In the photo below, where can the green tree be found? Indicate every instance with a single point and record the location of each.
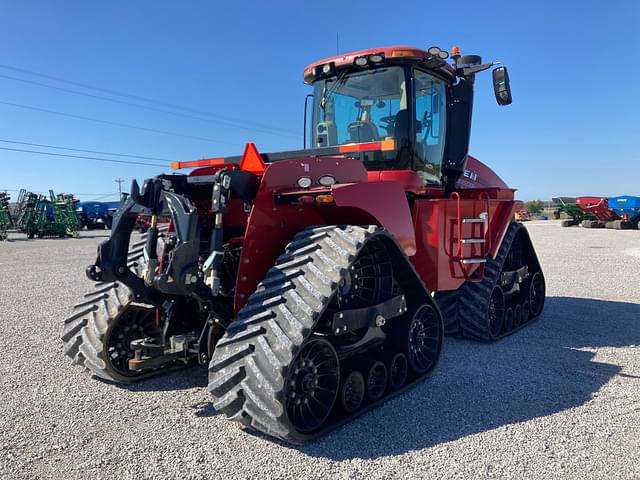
(534, 206)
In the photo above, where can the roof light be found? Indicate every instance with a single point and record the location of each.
(360, 61)
(326, 68)
(403, 53)
(455, 51)
(438, 52)
(376, 58)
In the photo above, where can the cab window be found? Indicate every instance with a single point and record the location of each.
(430, 127)
(364, 106)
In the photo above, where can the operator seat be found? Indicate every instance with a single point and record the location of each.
(362, 131)
(401, 137)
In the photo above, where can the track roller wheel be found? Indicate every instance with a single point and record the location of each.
(376, 381)
(352, 392)
(508, 319)
(419, 337)
(536, 294)
(517, 316)
(313, 384)
(134, 322)
(369, 280)
(398, 370)
(526, 311)
(98, 335)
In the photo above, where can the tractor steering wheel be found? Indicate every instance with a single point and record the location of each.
(388, 123)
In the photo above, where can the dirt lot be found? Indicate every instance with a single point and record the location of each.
(560, 399)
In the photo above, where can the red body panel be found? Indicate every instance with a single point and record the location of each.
(598, 207)
(478, 175)
(426, 229)
(387, 203)
(272, 226)
(436, 227)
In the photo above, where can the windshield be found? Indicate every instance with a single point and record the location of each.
(363, 106)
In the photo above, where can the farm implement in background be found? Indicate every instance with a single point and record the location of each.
(597, 207)
(627, 207)
(6, 222)
(40, 216)
(568, 206)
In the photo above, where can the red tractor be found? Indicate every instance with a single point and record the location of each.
(316, 284)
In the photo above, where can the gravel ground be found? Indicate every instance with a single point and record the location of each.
(560, 399)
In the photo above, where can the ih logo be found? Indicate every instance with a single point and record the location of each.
(471, 175)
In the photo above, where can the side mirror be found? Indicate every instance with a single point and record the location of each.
(501, 86)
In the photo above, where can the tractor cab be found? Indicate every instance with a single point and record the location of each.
(410, 101)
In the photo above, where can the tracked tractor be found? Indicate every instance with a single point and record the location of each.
(316, 284)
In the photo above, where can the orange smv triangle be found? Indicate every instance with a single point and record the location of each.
(252, 160)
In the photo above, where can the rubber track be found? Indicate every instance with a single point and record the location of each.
(85, 329)
(252, 360)
(464, 310)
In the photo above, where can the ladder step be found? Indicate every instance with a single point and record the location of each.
(473, 260)
(473, 240)
(473, 220)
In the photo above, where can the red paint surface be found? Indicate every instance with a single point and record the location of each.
(436, 227)
(347, 59)
(425, 229)
(598, 207)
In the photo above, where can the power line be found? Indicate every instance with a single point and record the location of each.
(82, 157)
(85, 151)
(100, 198)
(117, 124)
(135, 97)
(232, 123)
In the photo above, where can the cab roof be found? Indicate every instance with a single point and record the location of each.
(393, 55)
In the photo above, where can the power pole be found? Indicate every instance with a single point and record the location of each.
(119, 182)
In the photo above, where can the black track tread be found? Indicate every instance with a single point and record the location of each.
(85, 328)
(448, 303)
(84, 334)
(251, 362)
(465, 309)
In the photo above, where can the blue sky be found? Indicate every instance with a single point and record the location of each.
(573, 65)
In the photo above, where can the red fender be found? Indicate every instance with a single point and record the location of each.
(272, 225)
(387, 203)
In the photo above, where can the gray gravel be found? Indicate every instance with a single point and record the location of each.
(560, 399)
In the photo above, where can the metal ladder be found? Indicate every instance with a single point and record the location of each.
(465, 261)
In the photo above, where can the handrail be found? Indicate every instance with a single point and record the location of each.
(456, 195)
(487, 232)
